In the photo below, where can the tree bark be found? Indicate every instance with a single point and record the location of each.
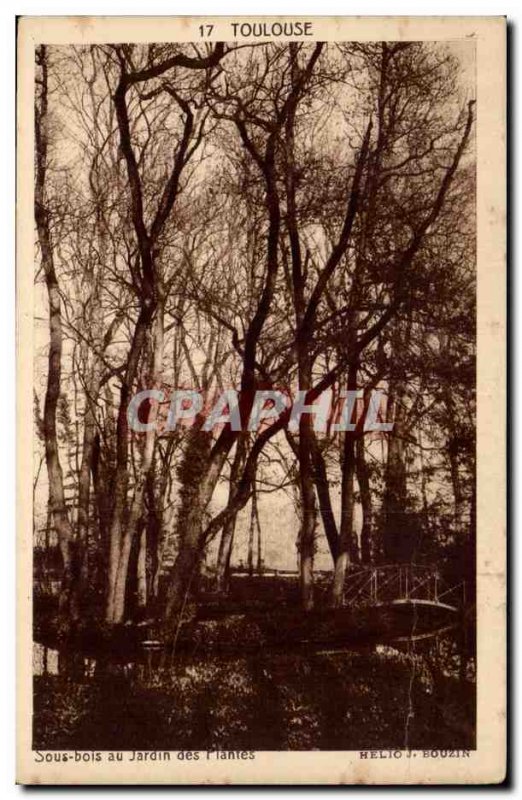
(118, 557)
(136, 509)
(325, 503)
(141, 570)
(348, 548)
(227, 536)
(191, 547)
(363, 479)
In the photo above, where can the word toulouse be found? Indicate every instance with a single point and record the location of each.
(187, 405)
(268, 29)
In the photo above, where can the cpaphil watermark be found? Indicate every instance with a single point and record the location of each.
(349, 410)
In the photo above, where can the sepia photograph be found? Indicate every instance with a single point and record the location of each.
(253, 378)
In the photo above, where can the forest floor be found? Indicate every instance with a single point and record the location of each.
(325, 701)
(251, 672)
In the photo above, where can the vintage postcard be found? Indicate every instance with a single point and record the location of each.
(261, 400)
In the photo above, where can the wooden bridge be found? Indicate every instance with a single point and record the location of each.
(402, 584)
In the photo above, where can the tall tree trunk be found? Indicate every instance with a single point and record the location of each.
(306, 477)
(227, 536)
(363, 479)
(224, 555)
(136, 509)
(348, 549)
(157, 488)
(322, 487)
(141, 570)
(259, 560)
(192, 542)
(84, 495)
(254, 536)
(92, 364)
(114, 606)
(304, 363)
(84, 478)
(101, 498)
(309, 515)
(148, 289)
(251, 535)
(452, 451)
(57, 503)
(399, 536)
(396, 538)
